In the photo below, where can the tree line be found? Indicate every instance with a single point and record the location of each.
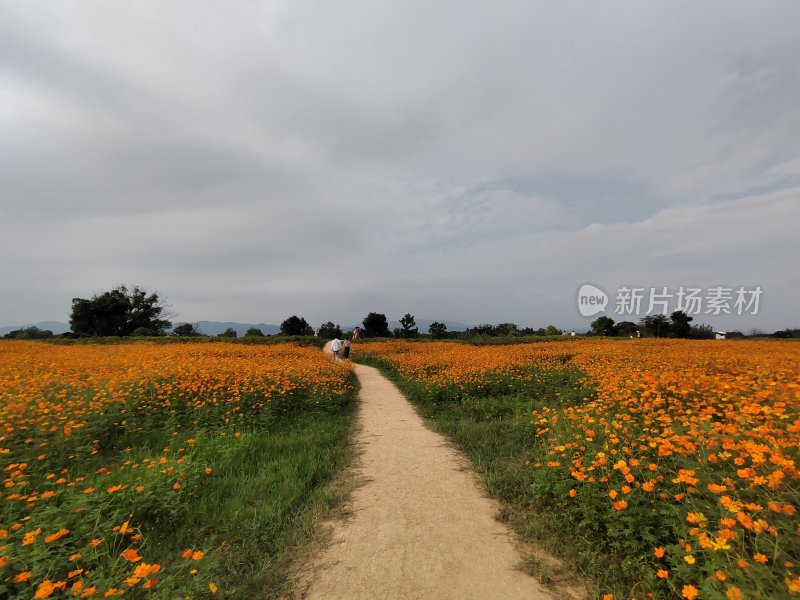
(133, 311)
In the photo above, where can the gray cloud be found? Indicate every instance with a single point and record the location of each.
(455, 160)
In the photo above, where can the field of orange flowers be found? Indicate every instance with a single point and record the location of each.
(679, 459)
(104, 449)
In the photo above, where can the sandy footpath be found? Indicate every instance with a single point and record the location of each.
(420, 526)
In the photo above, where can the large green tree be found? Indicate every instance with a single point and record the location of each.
(295, 325)
(603, 326)
(680, 326)
(186, 329)
(328, 331)
(656, 325)
(120, 311)
(376, 325)
(409, 326)
(437, 330)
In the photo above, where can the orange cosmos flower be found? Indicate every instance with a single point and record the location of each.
(734, 593)
(45, 589)
(56, 536)
(132, 555)
(689, 592)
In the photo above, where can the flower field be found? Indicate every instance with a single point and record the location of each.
(116, 459)
(676, 462)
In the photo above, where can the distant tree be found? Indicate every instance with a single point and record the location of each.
(680, 326)
(375, 325)
(409, 327)
(230, 332)
(254, 332)
(186, 330)
(702, 332)
(552, 330)
(603, 326)
(328, 331)
(29, 333)
(506, 329)
(295, 325)
(143, 332)
(120, 311)
(787, 333)
(484, 330)
(627, 328)
(656, 325)
(437, 330)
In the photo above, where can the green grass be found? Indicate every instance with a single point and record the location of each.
(272, 488)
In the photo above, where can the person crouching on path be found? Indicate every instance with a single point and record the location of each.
(347, 347)
(335, 346)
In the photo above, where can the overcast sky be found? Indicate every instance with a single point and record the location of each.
(465, 160)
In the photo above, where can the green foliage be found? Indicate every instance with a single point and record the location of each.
(254, 332)
(119, 312)
(437, 330)
(656, 325)
(603, 326)
(409, 326)
(375, 325)
(328, 331)
(230, 332)
(680, 327)
(186, 330)
(295, 325)
(29, 333)
(702, 332)
(627, 329)
(499, 330)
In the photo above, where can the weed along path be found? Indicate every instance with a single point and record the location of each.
(420, 526)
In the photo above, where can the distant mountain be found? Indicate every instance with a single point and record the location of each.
(216, 327)
(55, 326)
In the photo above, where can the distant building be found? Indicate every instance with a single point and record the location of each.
(720, 335)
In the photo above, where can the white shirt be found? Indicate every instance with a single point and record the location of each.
(336, 345)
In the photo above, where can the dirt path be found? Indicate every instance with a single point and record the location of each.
(420, 526)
